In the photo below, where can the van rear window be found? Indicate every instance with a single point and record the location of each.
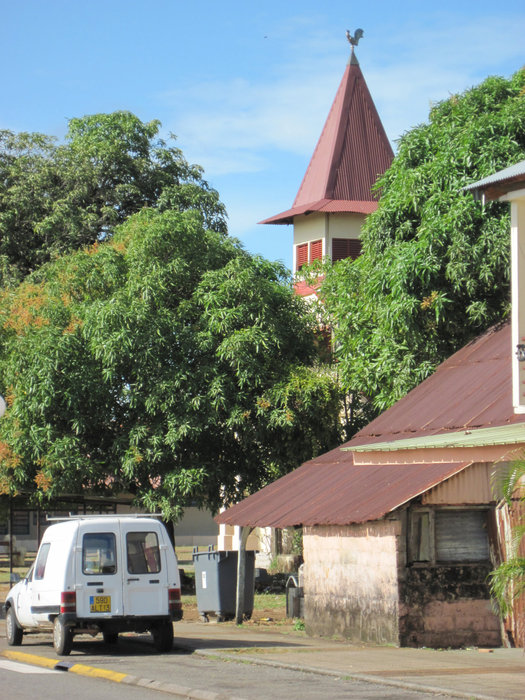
(143, 552)
(99, 553)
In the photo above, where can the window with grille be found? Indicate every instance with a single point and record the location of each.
(345, 248)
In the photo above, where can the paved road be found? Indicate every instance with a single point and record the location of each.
(226, 679)
(24, 682)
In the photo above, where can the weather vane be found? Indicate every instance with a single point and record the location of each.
(354, 40)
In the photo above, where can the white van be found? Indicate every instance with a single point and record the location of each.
(93, 574)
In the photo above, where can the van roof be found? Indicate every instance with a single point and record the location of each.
(71, 524)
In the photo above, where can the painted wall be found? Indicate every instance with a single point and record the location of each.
(325, 226)
(517, 237)
(350, 581)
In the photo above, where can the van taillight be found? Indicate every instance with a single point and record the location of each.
(174, 601)
(68, 602)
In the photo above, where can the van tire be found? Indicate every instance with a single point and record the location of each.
(162, 635)
(62, 638)
(13, 631)
(110, 637)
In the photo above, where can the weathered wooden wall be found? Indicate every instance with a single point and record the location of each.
(350, 581)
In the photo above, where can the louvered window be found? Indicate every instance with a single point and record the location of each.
(461, 535)
(447, 535)
(316, 250)
(301, 255)
(345, 248)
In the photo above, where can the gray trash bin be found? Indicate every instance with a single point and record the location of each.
(216, 583)
(294, 598)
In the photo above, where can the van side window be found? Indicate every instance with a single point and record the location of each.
(99, 553)
(40, 566)
(143, 552)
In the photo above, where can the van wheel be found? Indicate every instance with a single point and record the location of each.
(162, 635)
(13, 632)
(110, 637)
(62, 638)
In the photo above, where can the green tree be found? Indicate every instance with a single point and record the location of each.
(434, 272)
(507, 581)
(57, 198)
(166, 362)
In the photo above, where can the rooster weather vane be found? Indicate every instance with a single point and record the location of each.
(354, 40)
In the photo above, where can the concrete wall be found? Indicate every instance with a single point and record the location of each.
(350, 581)
(447, 606)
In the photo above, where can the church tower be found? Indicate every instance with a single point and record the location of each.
(335, 195)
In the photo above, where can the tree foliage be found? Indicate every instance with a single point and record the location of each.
(435, 265)
(166, 362)
(56, 198)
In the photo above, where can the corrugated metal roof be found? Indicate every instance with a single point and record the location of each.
(352, 151)
(340, 206)
(337, 492)
(499, 183)
(501, 435)
(472, 389)
(474, 485)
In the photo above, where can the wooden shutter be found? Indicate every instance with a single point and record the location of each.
(345, 248)
(461, 535)
(301, 255)
(316, 250)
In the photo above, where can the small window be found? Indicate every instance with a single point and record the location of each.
(448, 535)
(301, 255)
(316, 250)
(143, 552)
(40, 565)
(99, 554)
(461, 535)
(345, 248)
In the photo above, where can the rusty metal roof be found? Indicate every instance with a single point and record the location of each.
(352, 151)
(323, 206)
(332, 490)
(472, 389)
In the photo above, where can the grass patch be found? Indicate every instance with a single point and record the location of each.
(269, 601)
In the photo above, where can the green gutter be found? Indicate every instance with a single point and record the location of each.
(482, 437)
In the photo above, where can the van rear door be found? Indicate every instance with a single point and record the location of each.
(146, 576)
(99, 570)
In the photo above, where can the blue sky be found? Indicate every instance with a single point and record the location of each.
(246, 87)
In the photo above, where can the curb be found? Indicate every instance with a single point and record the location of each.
(364, 677)
(197, 694)
(114, 676)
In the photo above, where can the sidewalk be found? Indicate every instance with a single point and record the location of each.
(470, 673)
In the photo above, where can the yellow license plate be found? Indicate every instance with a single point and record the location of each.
(100, 603)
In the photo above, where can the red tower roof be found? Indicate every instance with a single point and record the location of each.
(351, 153)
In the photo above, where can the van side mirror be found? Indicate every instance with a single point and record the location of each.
(14, 578)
